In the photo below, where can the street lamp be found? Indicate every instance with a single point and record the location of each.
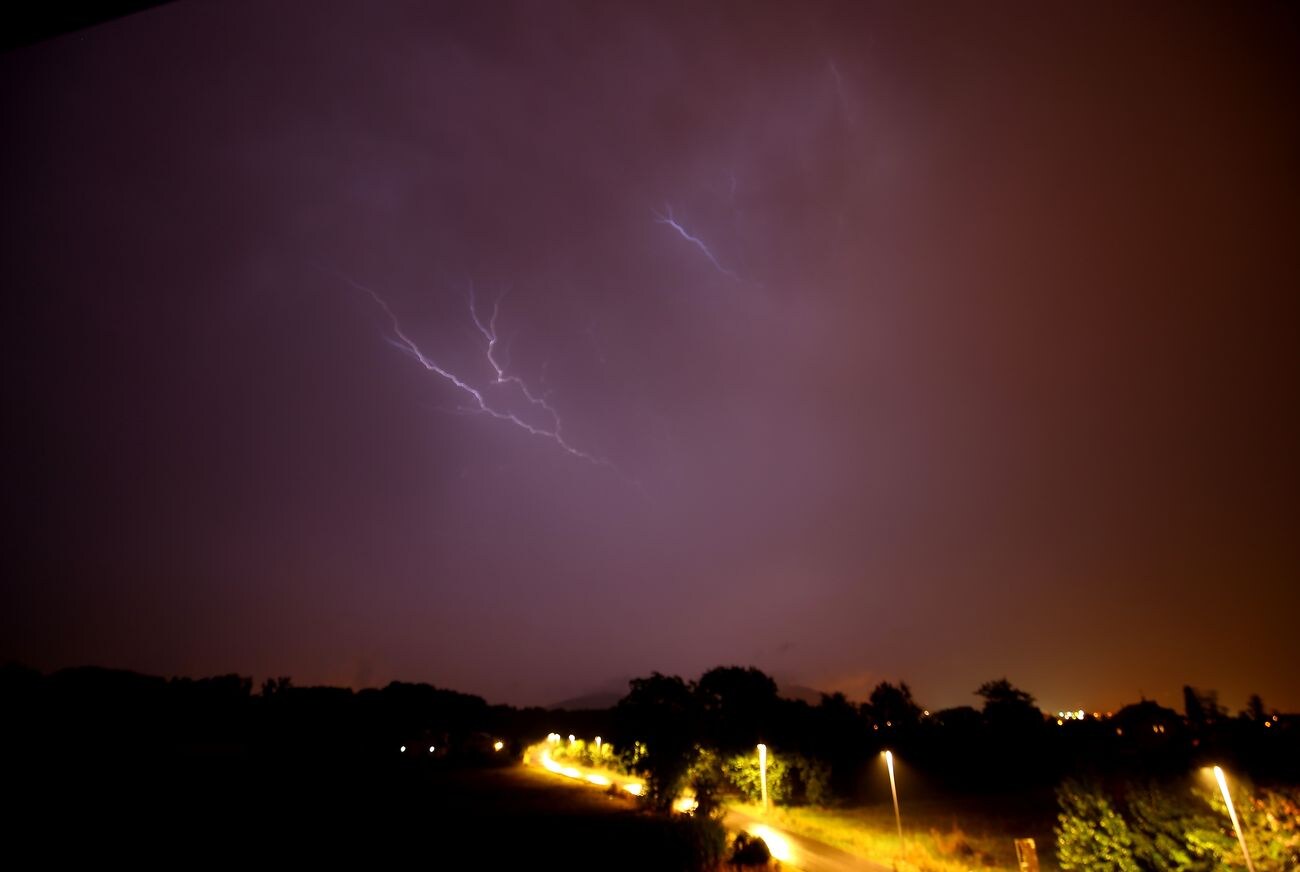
(893, 788)
(1232, 814)
(762, 772)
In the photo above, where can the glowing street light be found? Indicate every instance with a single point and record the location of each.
(1232, 814)
(598, 744)
(762, 772)
(893, 788)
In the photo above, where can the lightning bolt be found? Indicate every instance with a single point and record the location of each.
(668, 220)
(489, 332)
(477, 401)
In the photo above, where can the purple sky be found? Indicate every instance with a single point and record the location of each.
(990, 367)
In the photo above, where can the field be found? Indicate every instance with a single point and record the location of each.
(392, 817)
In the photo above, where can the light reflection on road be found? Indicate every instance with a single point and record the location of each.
(598, 778)
(778, 843)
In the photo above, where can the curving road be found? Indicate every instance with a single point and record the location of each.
(799, 851)
(794, 851)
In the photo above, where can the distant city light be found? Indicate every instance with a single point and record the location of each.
(402, 749)
(498, 745)
(431, 749)
(1079, 715)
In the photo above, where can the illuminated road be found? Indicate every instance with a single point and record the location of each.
(794, 851)
(800, 852)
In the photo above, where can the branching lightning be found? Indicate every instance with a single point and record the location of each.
(489, 332)
(478, 401)
(668, 220)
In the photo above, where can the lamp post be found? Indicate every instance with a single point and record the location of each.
(1232, 814)
(762, 773)
(893, 788)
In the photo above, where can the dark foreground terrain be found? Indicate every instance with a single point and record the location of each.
(213, 812)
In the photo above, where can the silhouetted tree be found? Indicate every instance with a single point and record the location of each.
(658, 726)
(1201, 707)
(1192, 706)
(273, 686)
(893, 706)
(962, 718)
(837, 736)
(738, 706)
(1007, 707)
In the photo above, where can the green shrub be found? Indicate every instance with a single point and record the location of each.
(742, 771)
(1091, 834)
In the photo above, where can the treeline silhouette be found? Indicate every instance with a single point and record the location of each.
(101, 764)
(1006, 744)
(108, 763)
(88, 719)
(94, 717)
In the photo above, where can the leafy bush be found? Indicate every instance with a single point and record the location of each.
(1176, 830)
(743, 772)
(1091, 834)
(792, 779)
(810, 780)
(706, 778)
(1172, 832)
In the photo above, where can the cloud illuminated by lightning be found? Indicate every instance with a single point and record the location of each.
(478, 401)
(670, 221)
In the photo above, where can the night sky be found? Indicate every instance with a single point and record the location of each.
(889, 341)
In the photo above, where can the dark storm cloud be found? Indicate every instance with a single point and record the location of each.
(990, 370)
